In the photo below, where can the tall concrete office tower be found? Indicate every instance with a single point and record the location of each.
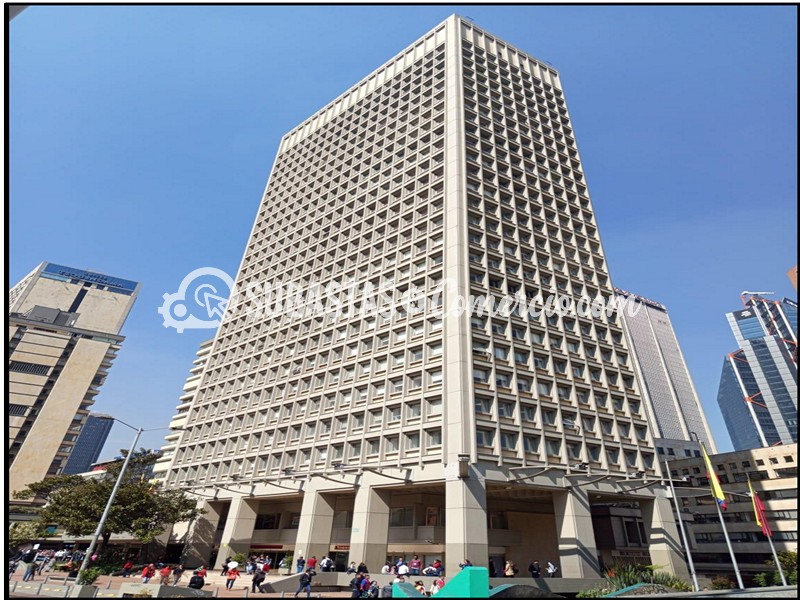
(672, 402)
(423, 429)
(64, 326)
(758, 388)
(90, 442)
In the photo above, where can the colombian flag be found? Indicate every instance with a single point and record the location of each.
(758, 508)
(716, 489)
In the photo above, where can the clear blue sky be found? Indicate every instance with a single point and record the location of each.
(141, 139)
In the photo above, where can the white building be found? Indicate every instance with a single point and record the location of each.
(432, 432)
(676, 412)
(64, 326)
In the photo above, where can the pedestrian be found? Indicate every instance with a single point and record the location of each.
(197, 581)
(258, 578)
(465, 564)
(385, 569)
(148, 573)
(510, 569)
(492, 568)
(126, 568)
(177, 574)
(365, 586)
(437, 584)
(386, 591)
(374, 589)
(415, 565)
(202, 571)
(355, 586)
(437, 564)
(312, 563)
(535, 570)
(225, 566)
(231, 576)
(403, 569)
(166, 573)
(305, 582)
(420, 587)
(267, 565)
(30, 570)
(301, 564)
(551, 569)
(326, 564)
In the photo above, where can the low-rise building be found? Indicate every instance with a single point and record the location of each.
(773, 472)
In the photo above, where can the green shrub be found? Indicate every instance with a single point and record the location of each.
(240, 557)
(720, 582)
(622, 575)
(89, 576)
(289, 558)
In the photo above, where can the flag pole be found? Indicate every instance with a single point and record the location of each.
(719, 497)
(757, 507)
(730, 548)
(683, 530)
(777, 562)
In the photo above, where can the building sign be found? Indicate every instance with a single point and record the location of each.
(266, 546)
(342, 547)
(99, 278)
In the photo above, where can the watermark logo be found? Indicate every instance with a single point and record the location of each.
(207, 294)
(200, 301)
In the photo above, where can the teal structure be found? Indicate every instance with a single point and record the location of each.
(472, 582)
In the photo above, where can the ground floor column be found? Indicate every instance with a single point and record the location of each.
(577, 548)
(316, 524)
(370, 536)
(661, 532)
(238, 528)
(200, 536)
(466, 530)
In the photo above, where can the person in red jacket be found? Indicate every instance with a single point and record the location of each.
(312, 563)
(148, 573)
(232, 574)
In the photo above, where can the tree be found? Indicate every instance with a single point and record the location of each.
(22, 532)
(788, 560)
(76, 503)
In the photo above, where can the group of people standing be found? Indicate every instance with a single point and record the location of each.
(536, 570)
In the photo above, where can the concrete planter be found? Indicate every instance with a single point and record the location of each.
(162, 591)
(83, 591)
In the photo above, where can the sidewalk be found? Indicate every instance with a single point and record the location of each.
(108, 587)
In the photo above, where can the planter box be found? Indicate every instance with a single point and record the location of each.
(83, 591)
(127, 590)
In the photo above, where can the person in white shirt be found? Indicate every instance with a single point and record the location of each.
(403, 569)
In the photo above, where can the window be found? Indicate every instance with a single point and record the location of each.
(508, 441)
(483, 405)
(434, 437)
(553, 447)
(480, 376)
(505, 409)
(502, 380)
(531, 443)
(401, 517)
(484, 437)
(435, 407)
(549, 417)
(269, 521)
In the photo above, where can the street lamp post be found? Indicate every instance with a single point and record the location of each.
(683, 530)
(101, 524)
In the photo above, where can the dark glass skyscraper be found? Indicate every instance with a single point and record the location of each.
(90, 442)
(758, 388)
